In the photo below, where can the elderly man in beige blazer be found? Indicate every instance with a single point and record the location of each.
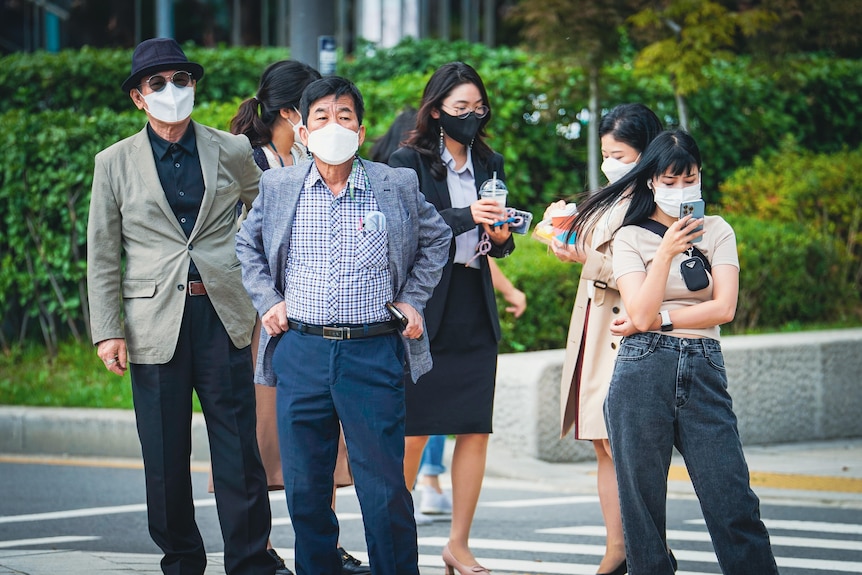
(167, 303)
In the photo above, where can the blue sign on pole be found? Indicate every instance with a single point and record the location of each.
(327, 58)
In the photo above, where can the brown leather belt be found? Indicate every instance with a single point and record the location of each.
(196, 287)
(345, 332)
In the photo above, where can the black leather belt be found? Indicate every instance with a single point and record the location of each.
(345, 332)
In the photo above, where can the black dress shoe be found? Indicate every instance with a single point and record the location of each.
(621, 569)
(350, 565)
(280, 567)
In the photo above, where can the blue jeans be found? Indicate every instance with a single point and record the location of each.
(668, 391)
(432, 456)
(358, 382)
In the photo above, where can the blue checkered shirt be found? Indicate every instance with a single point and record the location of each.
(337, 273)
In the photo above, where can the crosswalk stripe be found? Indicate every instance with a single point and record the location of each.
(542, 501)
(703, 536)
(681, 554)
(47, 541)
(816, 526)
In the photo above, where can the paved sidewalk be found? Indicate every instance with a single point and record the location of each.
(822, 473)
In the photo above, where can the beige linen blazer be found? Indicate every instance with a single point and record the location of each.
(138, 255)
(582, 395)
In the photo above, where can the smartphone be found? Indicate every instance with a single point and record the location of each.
(695, 209)
(396, 313)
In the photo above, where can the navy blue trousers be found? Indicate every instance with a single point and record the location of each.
(207, 362)
(359, 383)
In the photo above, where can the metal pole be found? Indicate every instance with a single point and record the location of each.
(164, 19)
(236, 24)
(138, 13)
(281, 23)
(309, 21)
(264, 22)
(445, 19)
(490, 31)
(424, 19)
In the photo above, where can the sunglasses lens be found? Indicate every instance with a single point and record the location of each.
(157, 83)
(181, 79)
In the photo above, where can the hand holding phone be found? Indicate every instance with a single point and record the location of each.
(397, 314)
(695, 209)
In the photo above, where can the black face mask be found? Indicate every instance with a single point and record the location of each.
(462, 131)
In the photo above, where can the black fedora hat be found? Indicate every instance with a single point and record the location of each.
(158, 54)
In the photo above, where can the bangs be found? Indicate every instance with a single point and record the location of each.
(678, 162)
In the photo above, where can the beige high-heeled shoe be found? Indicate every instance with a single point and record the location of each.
(453, 565)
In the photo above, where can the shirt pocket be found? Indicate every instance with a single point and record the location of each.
(372, 249)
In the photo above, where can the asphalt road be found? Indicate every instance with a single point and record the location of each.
(520, 526)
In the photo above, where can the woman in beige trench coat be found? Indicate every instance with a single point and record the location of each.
(591, 350)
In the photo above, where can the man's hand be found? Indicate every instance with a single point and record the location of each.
(275, 320)
(415, 327)
(112, 352)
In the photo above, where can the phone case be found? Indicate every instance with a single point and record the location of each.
(696, 210)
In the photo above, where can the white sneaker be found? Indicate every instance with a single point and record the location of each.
(434, 503)
(422, 519)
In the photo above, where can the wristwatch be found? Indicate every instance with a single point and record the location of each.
(666, 324)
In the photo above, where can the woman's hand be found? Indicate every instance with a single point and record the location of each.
(568, 253)
(678, 237)
(498, 234)
(556, 206)
(487, 211)
(623, 326)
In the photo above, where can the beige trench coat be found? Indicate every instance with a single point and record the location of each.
(585, 383)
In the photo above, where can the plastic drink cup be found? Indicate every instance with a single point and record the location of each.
(561, 221)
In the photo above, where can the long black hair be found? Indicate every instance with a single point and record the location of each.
(281, 86)
(425, 138)
(672, 151)
(632, 124)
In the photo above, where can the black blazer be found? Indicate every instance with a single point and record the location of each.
(460, 220)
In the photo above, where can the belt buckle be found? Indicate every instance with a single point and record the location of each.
(196, 288)
(334, 332)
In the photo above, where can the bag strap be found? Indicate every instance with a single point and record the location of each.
(660, 229)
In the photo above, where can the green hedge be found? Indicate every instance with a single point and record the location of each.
(88, 79)
(61, 109)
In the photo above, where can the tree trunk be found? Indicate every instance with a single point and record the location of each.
(682, 110)
(593, 144)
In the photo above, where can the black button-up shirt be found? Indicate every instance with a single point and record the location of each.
(182, 179)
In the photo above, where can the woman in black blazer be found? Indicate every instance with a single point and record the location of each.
(448, 152)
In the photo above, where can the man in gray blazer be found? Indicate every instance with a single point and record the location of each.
(326, 246)
(167, 302)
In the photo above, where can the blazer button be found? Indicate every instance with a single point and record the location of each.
(181, 287)
(191, 247)
(613, 345)
(615, 309)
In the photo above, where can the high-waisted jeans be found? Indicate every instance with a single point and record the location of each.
(668, 391)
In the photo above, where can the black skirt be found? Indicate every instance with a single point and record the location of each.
(457, 395)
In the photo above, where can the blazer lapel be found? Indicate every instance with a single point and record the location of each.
(149, 177)
(208, 152)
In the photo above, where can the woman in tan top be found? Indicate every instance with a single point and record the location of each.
(679, 280)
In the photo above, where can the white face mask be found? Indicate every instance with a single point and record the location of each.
(296, 127)
(614, 169)
(669, 199)
(172, 104)
(333, 144)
